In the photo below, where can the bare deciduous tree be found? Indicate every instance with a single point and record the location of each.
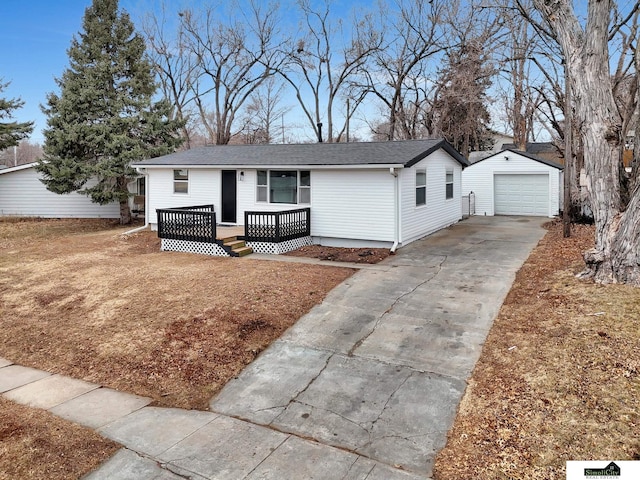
(263, 111)
(461, 107)
(175, 66)
(24, 152)
(400, 78)
(615, 257)
(233, 52)
(319, 63)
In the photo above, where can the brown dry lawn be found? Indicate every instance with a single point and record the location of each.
(558, 379)
(559, 375)
(35, 444)
(79, 299)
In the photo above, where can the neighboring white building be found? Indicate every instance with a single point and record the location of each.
(23, 194)
(377, 194)
(514, 183)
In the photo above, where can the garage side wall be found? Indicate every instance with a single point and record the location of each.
(480, 179)
(23, 194)
(438, 211)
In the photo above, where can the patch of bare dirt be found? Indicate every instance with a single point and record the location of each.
(340, 254)
(559, 374)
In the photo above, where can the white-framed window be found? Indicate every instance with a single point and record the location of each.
(449, 184)
(283, 186)
(421, 187)
(181, 181)
(304, 190)
(262, 186)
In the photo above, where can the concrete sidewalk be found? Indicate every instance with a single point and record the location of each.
(366, 385)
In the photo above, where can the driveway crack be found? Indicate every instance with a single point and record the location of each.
(375, 326)
(347, 419)
(384, 407)
(295, 398)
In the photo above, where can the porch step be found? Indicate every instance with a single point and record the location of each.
(242, 251)
(226, 240)
(239, 247)
(235, 244)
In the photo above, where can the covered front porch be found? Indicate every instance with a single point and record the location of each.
(195, 229)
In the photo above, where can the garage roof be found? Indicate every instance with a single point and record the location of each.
(526, 155)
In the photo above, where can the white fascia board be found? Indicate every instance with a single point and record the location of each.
(381, 166)
(19, 167)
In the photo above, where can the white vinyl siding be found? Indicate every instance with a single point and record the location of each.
(204, 189)
(353, 204)
(23, 194)
(345, 204)
(348, 206)
(479, 178)
(417, 222)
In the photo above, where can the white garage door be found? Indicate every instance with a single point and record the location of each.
(521, 194)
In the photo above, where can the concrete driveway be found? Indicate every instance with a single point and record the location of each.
(365, 386)
(378, 369)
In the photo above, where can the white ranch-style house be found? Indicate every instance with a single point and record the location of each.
(380, 194)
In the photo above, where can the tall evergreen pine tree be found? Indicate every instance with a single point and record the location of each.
(104, 117)
(11, 132)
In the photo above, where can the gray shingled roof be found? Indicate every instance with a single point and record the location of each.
(404, 153)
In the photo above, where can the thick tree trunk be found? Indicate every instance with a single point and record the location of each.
(125, 213)
(615, 257)
(621, 262)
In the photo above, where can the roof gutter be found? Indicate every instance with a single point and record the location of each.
(396, 212)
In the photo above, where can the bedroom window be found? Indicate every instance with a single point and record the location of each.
(421, 187)
(181, 181)
(449, 184)
(283, 186)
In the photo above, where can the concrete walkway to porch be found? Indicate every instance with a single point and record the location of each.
(365, 386)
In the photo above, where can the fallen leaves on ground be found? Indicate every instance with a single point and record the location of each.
(559, 374)
(35, 444)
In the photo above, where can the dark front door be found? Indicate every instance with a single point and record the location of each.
(228, 196)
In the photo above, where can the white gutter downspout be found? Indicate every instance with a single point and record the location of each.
(396, 215)
(146, 203)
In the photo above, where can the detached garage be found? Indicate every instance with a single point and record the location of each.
(514, 183)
